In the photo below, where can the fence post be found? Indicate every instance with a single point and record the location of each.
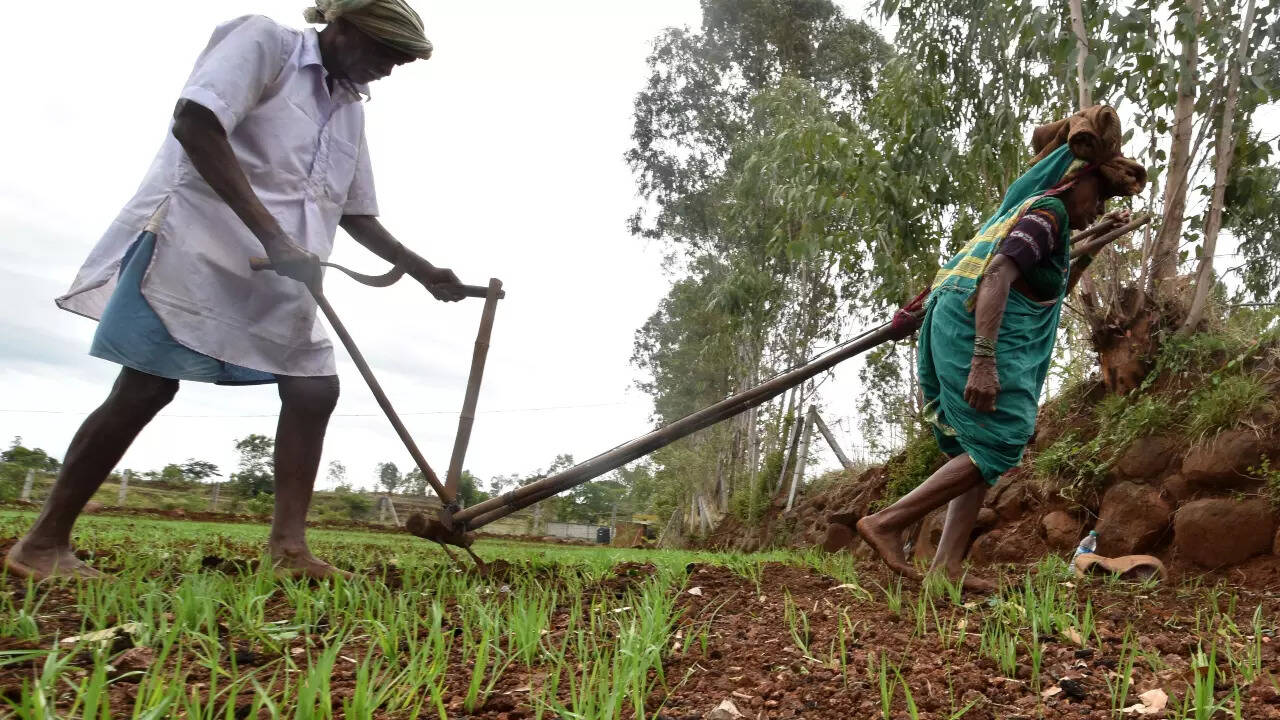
(802, 455)
(26, 485)
(124, 488)
(213, 503)
(831, 440)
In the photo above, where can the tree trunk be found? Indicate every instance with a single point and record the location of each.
(1164, 256)
(1082, 51)
(1226, 146)
(787, 431)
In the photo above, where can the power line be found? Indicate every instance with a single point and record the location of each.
(351, 415)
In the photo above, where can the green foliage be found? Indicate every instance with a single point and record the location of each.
(30, 458)
(1251, 205)
(256, 470)
(388, 476)
(1080, 463)
(12, 476)
(1202, 384)
(198, 470)
(912, 466)
(261, 504)
(356, 506)
(1225, 403)
(468, 488)
(749, 502)
(1270, 477)
(734, 127)
(1239, 340)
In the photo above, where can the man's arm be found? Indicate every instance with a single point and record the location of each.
(369, 232)
(201, 135)
(993, 295)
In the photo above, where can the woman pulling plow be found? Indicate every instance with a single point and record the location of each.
(988, 332)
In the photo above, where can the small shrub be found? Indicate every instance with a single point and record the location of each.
(355, 505)
(1083, 464)
(1270, 477)
(912, 466)
(749, 502)
(12, 476)
(260, 504)
(1225, 404)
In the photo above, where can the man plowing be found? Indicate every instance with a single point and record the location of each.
(267, 153)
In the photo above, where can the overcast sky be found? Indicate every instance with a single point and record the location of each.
(499, 157)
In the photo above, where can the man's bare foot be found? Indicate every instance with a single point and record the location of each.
(300, 563)
(888, 545)
(25, 561)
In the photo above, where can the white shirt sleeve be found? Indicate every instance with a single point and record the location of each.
(243, 57)
(361, 199)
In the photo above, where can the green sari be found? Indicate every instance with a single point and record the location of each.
(994, 441)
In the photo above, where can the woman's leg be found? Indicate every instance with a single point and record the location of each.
(962, 514)
(883, 530)
(95, 450)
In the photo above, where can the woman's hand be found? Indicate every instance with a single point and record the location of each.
(983, 385)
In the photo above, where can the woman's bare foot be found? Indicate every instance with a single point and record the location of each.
(300, 563)
(971, 583)
(888, 545)
(27, 561)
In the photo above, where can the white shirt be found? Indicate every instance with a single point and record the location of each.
(304, 152)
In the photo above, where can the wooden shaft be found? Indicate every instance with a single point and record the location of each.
(453, 477)
(1106, 223)
(486, 512)
(1094, 245)
(378, 394)
(845, 462)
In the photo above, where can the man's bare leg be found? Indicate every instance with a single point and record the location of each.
(103, 438)
(305, 406)
(883, 530)
(962, 514)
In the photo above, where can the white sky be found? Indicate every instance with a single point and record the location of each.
(501, 156)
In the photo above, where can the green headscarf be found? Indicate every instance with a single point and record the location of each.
(391, 22)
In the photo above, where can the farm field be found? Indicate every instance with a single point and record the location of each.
(195, 626)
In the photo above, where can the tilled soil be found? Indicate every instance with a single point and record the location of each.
(733, 641)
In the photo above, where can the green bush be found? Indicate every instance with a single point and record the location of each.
(1081, 464)
(1225, 403)
(11, 478)
(749, 502)
(260, 504)
(912, 466)
(354, 505)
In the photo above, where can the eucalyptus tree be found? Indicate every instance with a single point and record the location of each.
(696, 121)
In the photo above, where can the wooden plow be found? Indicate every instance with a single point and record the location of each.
(453, 523)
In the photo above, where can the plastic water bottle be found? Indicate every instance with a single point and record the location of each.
(1087, 545)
